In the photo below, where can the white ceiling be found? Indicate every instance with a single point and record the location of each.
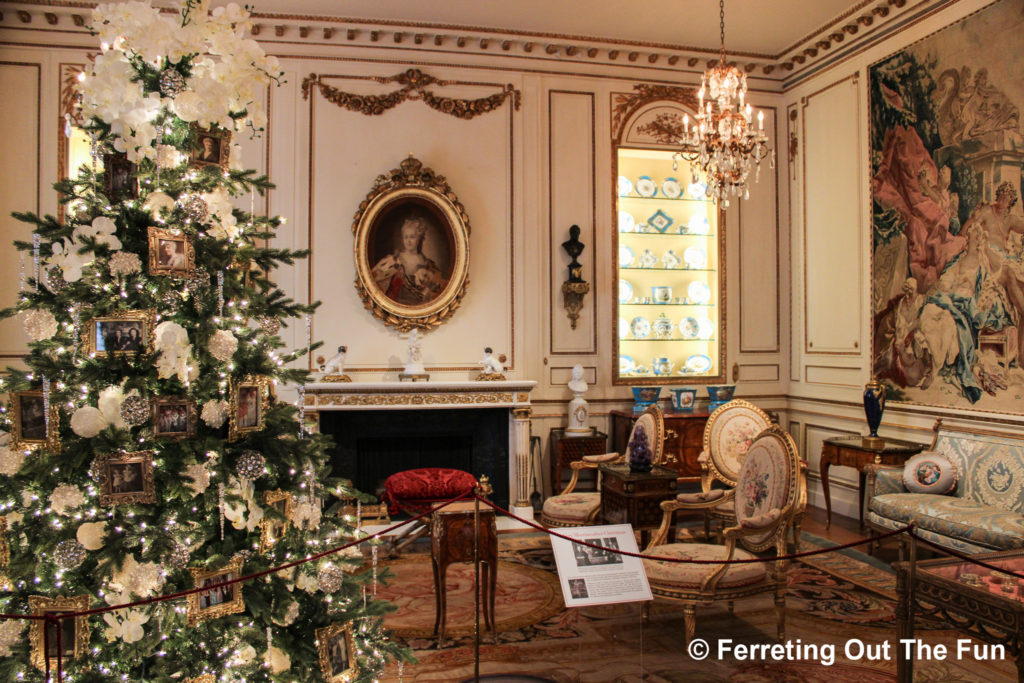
(756, 27)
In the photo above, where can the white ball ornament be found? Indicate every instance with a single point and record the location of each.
(87, 422)
(278, 660)
(91, 535)
(215, 413)
(40, 325)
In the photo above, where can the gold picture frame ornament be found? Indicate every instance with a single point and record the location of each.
(217, 602)
(271, 530)
(336, 646)
(5, 546)
(249, 401)
(212, 148)
(181, 262)
(126, 478)
(40, 605)
(27, 432)
(101, 332)
(167, 426)
(411, 248)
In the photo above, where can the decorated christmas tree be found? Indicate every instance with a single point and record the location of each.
(146, 452)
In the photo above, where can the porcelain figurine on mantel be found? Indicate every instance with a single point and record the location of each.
(493, 368)
(334, 369)
(579, 410)
(414, 370)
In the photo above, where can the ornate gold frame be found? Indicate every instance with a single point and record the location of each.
(155, 235)
(52, 439)
(5, 546)
(267, 537)
(235, 605)
(205, 678)
(146, 316)
(115, 162)
(190, 406)
(109, 497)
(323, 635)
(413, 183)
(41, 605)
(262, 383)
(223, 152)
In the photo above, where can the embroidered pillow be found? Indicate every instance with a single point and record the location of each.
(930, 472)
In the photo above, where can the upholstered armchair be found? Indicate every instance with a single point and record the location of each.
(581, 508)
(766, 497)
(727, 436)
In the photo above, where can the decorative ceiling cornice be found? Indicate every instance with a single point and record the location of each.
(817, 49)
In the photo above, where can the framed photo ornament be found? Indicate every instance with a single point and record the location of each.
(126, 478)
(5, 546)
(337, 653)
(212, 148)
(411, 248)
(249, 400)
(205, 678)
(119, 178)
(120, 334)
(29, 427)
(218, 601)
(271, 530)
(74, 632)
(174, 417)
(171, 253)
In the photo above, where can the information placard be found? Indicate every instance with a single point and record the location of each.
(598, 574)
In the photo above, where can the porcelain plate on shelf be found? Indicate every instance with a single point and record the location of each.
(626, 365)
(698, 363)
(699, 224)
(671, 188)
(626, 256)
(623, 329)
(694, 256)
(625, 291)
(625, 186)
(705, 328)
(645, 187)
(697, 190)
(689, 327)
(699, 292)
(626, 221)
(640, 327)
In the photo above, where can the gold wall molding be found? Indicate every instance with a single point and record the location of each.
(414, 399)
(414, 87)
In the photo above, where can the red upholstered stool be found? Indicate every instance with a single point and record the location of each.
(415, 491)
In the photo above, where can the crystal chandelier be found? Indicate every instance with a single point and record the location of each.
(722, 142)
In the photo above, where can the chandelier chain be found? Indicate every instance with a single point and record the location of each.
(721, 28)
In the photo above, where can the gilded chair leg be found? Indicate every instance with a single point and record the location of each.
(690, 620)
(645, 611)
(780, 613)
(796, 537)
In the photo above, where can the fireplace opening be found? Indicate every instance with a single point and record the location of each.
(372, 445)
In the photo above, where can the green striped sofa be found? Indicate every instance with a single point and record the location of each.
(985, 511)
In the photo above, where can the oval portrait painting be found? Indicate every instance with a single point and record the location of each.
(411, 249)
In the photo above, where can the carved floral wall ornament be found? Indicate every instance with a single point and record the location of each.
(414, 87)
(411, 248)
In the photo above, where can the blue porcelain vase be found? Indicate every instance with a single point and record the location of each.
(874, 406)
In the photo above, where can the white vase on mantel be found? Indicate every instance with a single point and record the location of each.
(579, 409)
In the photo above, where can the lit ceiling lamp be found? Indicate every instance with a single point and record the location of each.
(722, 142)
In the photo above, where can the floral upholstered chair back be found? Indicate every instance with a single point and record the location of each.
(648, 437)
(769, 487)
(727, 438)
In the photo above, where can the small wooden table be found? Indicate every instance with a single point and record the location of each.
(684, 438)
(983, 611)
(567, 449)
(451, 540)
(629, 497)
(850, 451)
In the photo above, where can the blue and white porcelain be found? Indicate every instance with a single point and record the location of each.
(699, 292)
(671, 188)
(663, 327)
(670, 259)
(626, 256)
(699, 224)
(626, 365)
(721, 393)
(695, 257)
(626, 221)
(660, 221)
(625, 292)
(661, 294)
(696, 190)
(645, 396)
(623, 328)
(698, 363)
(662, 366)
(648, 259)
(640, 327)
(683, 399)
(645, 187)
(625, 186)
(688, 327)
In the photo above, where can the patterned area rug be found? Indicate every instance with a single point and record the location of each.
(833, 599)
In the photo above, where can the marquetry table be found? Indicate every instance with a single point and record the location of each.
(629, 497)
(984, 604)
(451, 540)
(567, 449)
(851, 451)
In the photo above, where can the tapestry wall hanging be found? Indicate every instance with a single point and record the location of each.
(947, 268)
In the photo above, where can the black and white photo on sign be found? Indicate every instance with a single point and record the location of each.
(587, 556)
(578, 588)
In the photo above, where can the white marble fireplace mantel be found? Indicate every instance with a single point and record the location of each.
(512, 395)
